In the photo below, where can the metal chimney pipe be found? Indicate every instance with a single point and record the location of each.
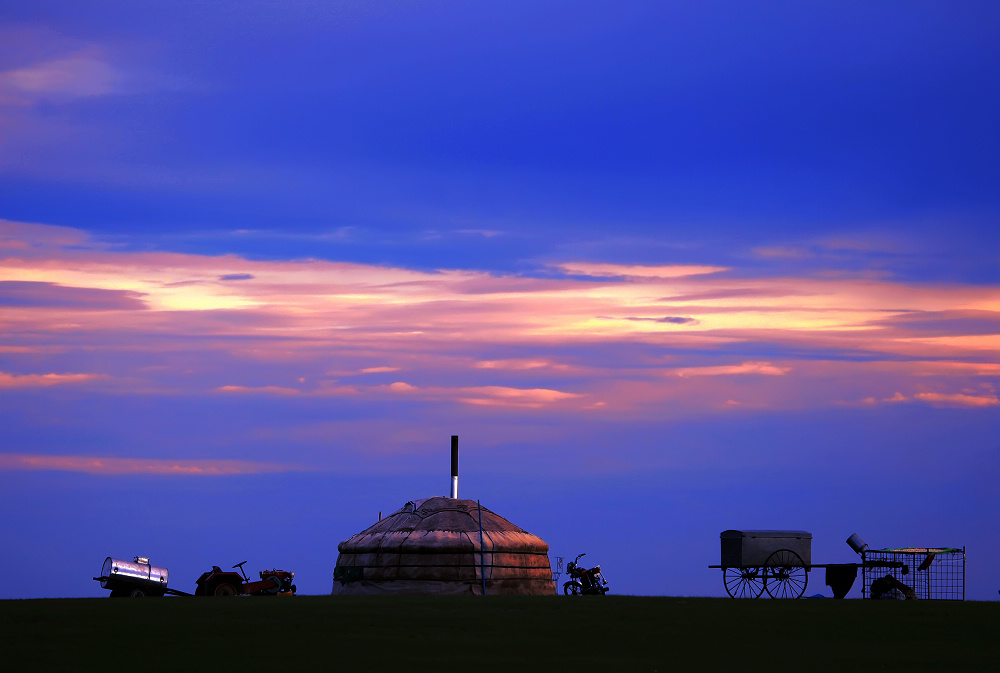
(454, 467)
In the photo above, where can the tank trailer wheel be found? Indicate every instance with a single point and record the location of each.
(743, 582)
(786, 575)
(573, 589)
(139, 592)
(226, 589)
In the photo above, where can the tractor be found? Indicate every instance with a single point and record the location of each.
(219, 582)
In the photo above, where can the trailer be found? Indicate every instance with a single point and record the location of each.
(139, 578)
(778, 562)
(135, 579)
(775, 561)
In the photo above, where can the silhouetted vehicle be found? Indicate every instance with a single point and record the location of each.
(219, 582)
(584, 582)
(777, 561)
(138, 579)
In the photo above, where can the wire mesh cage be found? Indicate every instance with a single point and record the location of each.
(929, 573)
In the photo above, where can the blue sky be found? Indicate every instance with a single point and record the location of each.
(734, 264)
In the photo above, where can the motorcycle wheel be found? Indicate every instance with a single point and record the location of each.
(573, 589)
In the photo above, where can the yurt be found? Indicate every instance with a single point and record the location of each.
(436, 546)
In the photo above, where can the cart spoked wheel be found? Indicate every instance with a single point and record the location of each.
(743, 582)
(785, 574)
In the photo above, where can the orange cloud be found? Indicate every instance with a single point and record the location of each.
(115, 466)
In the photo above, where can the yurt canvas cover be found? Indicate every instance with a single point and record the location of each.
(432, 546)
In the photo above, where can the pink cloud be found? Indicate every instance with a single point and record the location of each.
(933, 368)
(258, 390)
(481, 395)
(34, 294)
(116, 466)
(486, 395)
(84, 73)
(504, 396)
(24, 236)
(781, 252)
(761, 368)
(638, 271)
(44, 380)
(401, 387)
(515, 364)
(967, 399)
(958, 399)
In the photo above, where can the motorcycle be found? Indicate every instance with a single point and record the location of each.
(584, 582)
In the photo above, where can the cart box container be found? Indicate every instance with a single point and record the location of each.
(750, 548)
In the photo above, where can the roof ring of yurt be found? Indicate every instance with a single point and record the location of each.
(437, 546)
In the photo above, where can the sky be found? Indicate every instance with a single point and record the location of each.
(667, 269)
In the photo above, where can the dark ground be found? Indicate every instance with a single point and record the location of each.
(614, 633)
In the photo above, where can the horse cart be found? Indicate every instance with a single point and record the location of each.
(775, 561)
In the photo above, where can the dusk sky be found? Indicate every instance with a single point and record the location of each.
(666, 268)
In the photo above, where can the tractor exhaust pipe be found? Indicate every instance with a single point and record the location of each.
(454, 467)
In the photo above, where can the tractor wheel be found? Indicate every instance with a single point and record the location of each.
(277, 584)
(226, 589)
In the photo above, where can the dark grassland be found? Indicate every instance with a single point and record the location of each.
(614, 633)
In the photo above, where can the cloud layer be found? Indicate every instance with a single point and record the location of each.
(124, 466)
(577, 338)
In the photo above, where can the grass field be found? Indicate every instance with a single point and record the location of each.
(498, 634)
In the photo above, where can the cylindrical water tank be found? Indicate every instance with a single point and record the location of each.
(119, 574)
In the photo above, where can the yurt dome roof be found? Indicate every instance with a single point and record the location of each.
(439, 521)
